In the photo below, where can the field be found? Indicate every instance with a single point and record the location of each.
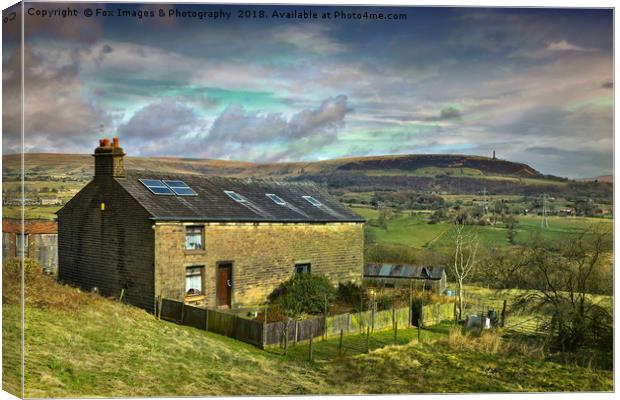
(414, 230)
(81, 345)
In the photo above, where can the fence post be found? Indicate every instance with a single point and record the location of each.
(409, 315)
(264, 328)
(325, 322)
(296, 332)
(481, 321)
(393, 314)
(310, 349)
(454, 313)
(396, 332)
(419, 323)
(503, 321)
(207, 320)
(340, 343)
(120, 298)
(368, 339)
(159, 304)
(182, 312)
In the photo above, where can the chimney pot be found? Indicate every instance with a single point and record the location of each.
(106, 142)
(100, 142)
(115, 141)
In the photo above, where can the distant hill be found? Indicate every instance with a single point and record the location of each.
(601, 178)
(441, 173)
(423, 165)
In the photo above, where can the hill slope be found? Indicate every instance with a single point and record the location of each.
(81, 345)
(83, 164)
(452, 174)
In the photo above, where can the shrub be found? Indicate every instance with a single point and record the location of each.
(303, 294)
(353, 295)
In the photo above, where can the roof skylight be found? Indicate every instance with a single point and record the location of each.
(312, 201)
(276, 199)
(236, 197)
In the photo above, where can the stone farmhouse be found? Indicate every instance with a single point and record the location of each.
(209, 241)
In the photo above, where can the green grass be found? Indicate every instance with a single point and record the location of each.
(355, 343)
(31, 212)
(109, 349)
(415, 231)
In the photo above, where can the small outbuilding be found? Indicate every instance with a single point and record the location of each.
(418, 277)
(34, 238)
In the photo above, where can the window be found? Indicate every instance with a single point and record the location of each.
(234, 196)
(276, 199)
(302, 268)
(193, 237)
(193, 280)
(19, 252)
(312, 201)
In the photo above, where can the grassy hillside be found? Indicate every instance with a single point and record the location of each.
(81, 345)
(415, 231)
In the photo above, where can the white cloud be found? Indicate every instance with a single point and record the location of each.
(563, 45)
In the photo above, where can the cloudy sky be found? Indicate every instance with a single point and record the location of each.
(533, 84)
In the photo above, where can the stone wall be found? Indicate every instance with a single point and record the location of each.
(262, 255)
(105, 240)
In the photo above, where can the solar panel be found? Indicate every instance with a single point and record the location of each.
(312, 201)
(234, 196)
(157, 187)
(180, 188)
(276, 199)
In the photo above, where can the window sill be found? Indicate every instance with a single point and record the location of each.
(192, 298)
(201, 251)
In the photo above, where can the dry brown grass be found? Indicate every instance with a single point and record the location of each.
(41, 290)
(491, 342)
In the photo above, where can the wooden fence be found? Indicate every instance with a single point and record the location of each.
(261, 334)
(245, 330)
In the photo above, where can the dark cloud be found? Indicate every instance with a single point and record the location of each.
(165, 119)
(55, 118)
(238, 125)
(448, 113)
(309, 130)
(329, 117)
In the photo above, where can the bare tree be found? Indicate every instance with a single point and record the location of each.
(562, 276)
(464, 259)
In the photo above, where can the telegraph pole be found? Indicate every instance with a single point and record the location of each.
(544, 222)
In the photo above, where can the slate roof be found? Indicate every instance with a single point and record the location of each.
(212, 204)
(407, 271)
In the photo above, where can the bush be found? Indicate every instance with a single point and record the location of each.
(303, 294)
(353, 295)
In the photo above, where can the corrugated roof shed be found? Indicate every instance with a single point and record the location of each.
(212, 204)
(406, 271)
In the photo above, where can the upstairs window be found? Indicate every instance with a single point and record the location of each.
(312, 201)
(233, 195)
(276, 199)
(193, 281)
(194, 236)
(302, 268)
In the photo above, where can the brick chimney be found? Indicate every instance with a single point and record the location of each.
(109, 159)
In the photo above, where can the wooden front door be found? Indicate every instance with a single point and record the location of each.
(224, 284)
